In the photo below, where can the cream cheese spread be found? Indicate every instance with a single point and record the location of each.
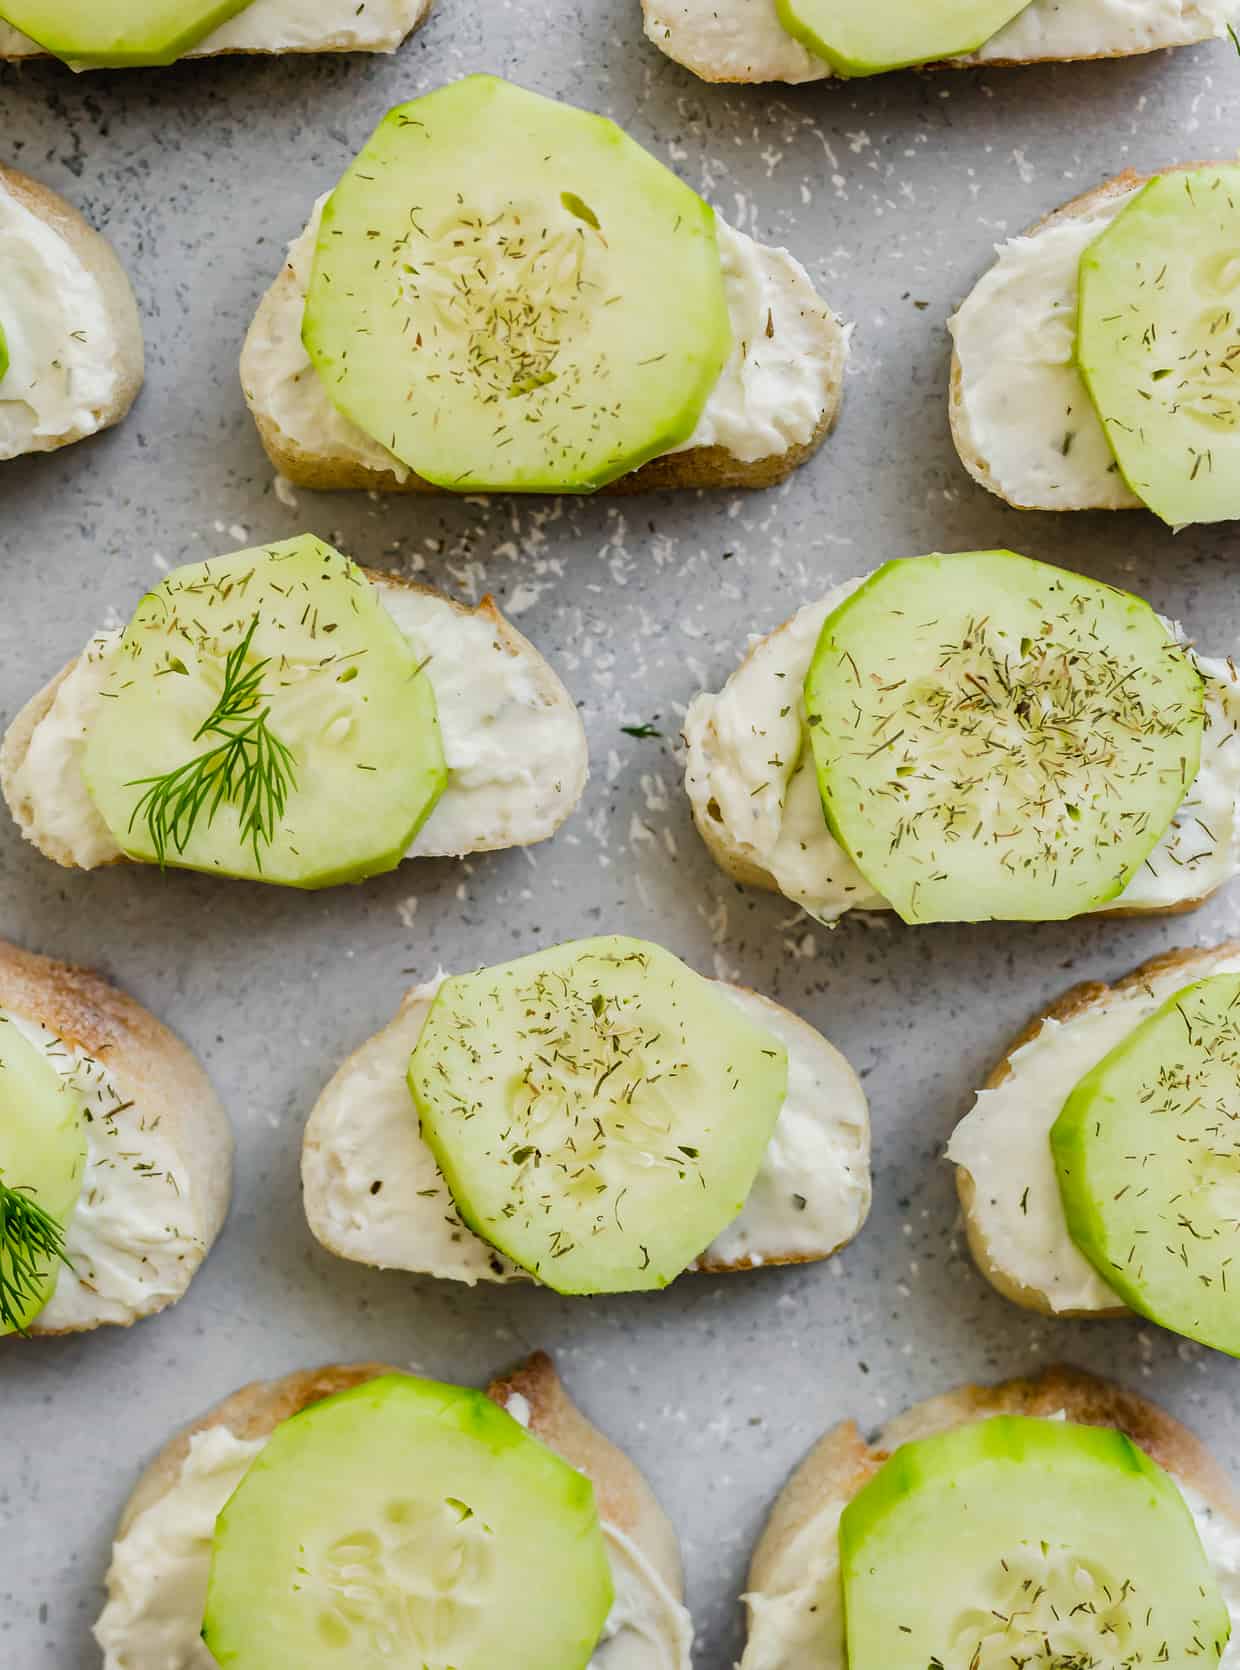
(64, 373)
(1004, 1142)
(781, 379)
(512, 739)
(157, 1582)
(132, 1232)
(798, 1624)
(744, 40)
(750, 774)
(288, 26)
(374, 1193)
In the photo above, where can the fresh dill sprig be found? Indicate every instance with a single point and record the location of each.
(32, 1243)
(250, 769)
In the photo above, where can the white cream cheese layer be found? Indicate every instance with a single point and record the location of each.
(63, 371)
(374, 1193)
(750, 771)
(783, 374)
(1004, 1142)
(744, 40)
(157, 1582)
(132, 1232)
(1025, 424)
(512, 739)
(799, 1623)
(288, 26)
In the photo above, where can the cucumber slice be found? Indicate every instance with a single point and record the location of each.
(996, 738)
(599, 1111)
(511, 295)
(4, 354)
(1158, 342)
(42, 1158)
(266, 718)
(1148, 1157)
(413, 1524)
(1015, 1541)
(119, 32)
(866, 37)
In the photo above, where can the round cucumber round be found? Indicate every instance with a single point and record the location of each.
(1014, 1541)
(997, 738)
(42, 1158)
(1158, 342)
(266, 718)
(119, 32)
(407, 1523)
(510, 294)
(599, 1111)
(866, 37)
(1147, 1149)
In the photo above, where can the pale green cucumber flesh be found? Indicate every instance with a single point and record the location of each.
(119, 32)
(42, 1150)
(999, 739)
(407, 1523)
(340, 718)
(1017, 1541)
(511, 294)
(599, 1111)
(1147, 1149)
(1158, 342)
(866, 37)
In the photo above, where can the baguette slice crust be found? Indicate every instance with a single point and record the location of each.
(1078, 208)
(735, 856)
(16, 745)
(625, 1499)
(1077, 1001)
(96, 254)
(842, 1461)
(151, 1067)
(376, 1072)
(414, 14)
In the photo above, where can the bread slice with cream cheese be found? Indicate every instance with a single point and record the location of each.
(157, 1582)
(158, 1172)
(70, 322)
(491, 683)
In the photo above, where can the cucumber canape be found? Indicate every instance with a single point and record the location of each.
(120, 32)
(598, 1111)
(1058, 1522)
(862, 37)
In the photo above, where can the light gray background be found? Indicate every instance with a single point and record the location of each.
(892, 192)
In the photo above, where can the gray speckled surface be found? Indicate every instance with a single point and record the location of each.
(892, 192)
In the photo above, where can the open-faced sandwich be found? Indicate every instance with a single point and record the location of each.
(283, 715)
(972, 737)
(1096, 1167)
(1097, 363)
(71, 358)
(113, 33)
(810, 40)
(360, 1516)
(596, 1117)
(1056, 1523)
(508, 294)
(115, 1156)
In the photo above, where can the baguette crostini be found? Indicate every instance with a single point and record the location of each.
(448, 1137)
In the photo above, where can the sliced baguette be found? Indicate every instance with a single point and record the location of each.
(156, 1073)
(373, 1193)
(96, 255)
(1073, 1004)
(559, 788)
(804, 1521)
(260, 30)
(532, 1391)
(743, 41)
